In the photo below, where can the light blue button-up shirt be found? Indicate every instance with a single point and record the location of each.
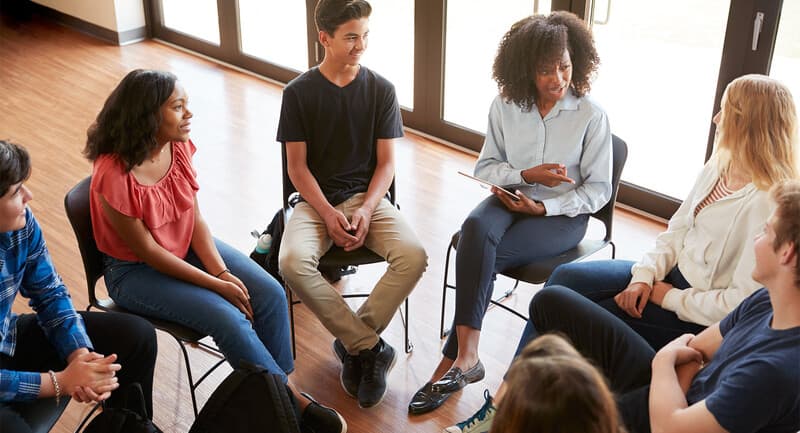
(575, 133)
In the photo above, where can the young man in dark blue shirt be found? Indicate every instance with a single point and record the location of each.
(338, 123)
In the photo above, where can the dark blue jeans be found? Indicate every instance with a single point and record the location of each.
(600, 280)
(266, 342)
(621, 354)
(494, 239)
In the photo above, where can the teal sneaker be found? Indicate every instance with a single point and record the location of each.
(479, 422)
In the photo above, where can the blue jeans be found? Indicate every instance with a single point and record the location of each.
(494, 239)
(621, 354)
(600, 281)
(266, 342)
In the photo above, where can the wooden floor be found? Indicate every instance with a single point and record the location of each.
(53, 82)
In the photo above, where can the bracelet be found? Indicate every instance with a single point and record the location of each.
(55, 386)
(222, 272)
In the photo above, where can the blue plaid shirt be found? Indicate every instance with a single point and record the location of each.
(25, 267)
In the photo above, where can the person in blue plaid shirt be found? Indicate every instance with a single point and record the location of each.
(49, 353)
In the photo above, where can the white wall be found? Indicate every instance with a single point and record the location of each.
(130, 14)
(116, 15)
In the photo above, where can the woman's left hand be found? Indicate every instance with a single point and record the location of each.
(228, 276)
(523, 205)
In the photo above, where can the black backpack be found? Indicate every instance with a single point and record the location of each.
(133, 419)
(249, 400)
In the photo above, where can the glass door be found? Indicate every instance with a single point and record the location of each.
(390, 52)
(657, 81)
(274, 31)
(786, 56)
(202, 23)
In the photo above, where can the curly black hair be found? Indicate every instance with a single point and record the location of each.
(538, 41)
(330, 14)
(130, 118)
(15, 165)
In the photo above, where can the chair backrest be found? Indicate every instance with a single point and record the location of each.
(289, 189)
(76, 203)
(619, 156)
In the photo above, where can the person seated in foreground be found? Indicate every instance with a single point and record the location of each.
(56, 351)
(553, 389)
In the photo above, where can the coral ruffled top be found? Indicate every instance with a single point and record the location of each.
(166, 207)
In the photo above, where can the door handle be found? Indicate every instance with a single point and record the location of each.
(757, 24)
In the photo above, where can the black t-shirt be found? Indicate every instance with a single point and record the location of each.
(340, 126)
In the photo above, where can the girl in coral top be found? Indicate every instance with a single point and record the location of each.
(161, 259)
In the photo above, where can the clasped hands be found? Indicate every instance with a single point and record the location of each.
(89, 376)
(349, 235)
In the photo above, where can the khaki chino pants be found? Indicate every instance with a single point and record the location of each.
(306, 239)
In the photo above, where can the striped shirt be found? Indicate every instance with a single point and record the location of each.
(26, 267)
(720, 191)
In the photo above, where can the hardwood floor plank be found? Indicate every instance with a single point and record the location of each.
(53, 81)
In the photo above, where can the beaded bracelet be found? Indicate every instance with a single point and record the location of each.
(222, 272)
(55, 386)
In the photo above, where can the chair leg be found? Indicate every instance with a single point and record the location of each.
(442, 332)
(188, 373)
(290, 298)
(409, 345)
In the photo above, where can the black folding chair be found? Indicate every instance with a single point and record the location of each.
(76, 203)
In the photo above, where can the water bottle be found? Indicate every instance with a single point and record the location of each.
(264, 243)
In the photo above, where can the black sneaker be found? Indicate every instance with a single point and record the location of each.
(320, 419)
(351, 369)
(375, 365)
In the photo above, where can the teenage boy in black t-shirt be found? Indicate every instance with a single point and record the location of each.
(338, 123)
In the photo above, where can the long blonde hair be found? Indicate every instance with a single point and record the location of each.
(553, 389)
(758, 131)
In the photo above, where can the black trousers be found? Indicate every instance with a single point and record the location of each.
(132, 338)
(616, 349)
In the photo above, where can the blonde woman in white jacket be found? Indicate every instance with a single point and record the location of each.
(699, 269)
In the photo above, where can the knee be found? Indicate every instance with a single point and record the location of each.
(549, 300)
(269, 295)
(411, 260)
(294, 264)
(140, 337)
(474, 227)
(561, 275)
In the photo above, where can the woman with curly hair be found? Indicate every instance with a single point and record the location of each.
(160, 258)
(551, 144)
